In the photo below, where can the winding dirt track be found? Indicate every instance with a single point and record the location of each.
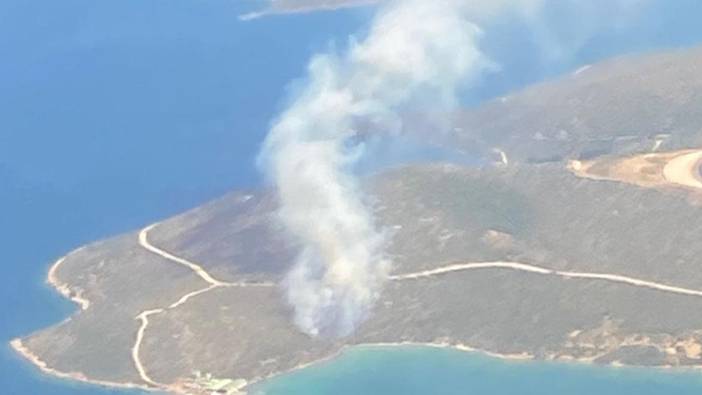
(471, 266)
(144, 318)
(144, 315)
(615, 278)
(144, 242)
(681, 170)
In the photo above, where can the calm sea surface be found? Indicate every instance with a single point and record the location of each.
(116, 113)
(422, 370)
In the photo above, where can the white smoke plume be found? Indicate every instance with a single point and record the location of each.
(416, 51)
(416, 54)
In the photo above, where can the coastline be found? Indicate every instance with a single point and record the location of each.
(524, 357)
(453, 346)
(24, 352)
(517, 357)
(21, 349)
(272, 11)
(64, 289)
(441, 343)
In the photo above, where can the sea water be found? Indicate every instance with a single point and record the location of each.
(428, 370)
(117, 113)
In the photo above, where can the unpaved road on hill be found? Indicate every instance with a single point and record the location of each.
(685, 170)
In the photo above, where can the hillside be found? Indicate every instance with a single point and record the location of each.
(621, 105)
(534, 259)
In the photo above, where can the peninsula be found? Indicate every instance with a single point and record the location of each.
(581, 242)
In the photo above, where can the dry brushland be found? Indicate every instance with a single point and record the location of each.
(582, 244)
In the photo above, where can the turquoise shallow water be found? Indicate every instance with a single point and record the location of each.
(425, 370)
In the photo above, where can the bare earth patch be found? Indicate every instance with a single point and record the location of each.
(651, 170)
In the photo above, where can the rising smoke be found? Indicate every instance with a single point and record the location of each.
(417, 54)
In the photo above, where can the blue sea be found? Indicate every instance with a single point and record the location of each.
(116, 113)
